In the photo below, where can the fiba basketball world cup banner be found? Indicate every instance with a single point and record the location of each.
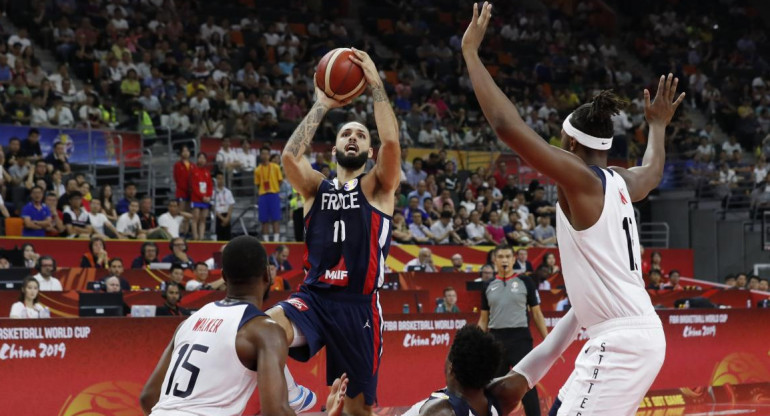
(98, 366)
(101, 147)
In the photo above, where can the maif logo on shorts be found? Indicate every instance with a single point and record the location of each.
(298, 303)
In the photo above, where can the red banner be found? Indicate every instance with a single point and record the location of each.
(90, 366)
(69, 251)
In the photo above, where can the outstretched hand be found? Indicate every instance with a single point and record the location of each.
(663, 106)
(477, 27)
(363, 60)
(336, 400)
(325, 100)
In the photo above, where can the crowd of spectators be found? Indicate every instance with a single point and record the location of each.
(721, 55)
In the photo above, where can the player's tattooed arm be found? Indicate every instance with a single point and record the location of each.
(304, 133)
(378, 94)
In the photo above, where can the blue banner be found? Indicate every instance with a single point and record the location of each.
(83, 147)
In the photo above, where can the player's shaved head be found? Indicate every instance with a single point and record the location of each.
(244, 261)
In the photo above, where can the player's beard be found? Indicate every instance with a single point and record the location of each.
(352, 162)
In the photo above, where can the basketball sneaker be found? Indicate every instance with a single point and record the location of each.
(304, 401)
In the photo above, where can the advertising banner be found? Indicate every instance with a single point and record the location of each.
(84, 147)
(97, 366)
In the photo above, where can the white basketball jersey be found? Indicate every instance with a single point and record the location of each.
(205, 376)
(601, 264)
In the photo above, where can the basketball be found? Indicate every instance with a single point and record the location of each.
(339, 77)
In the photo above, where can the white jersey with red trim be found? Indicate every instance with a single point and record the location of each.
(601, 264)
(205, 375)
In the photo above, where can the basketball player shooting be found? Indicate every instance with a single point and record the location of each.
(220, 354)
(597, 236)
(347, 227)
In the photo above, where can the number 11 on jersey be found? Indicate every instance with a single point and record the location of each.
(339, 231)
(627, 224)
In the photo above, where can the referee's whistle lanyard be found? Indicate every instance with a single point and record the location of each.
(506, 279)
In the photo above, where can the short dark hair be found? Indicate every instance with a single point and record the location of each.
(655, 271)
(129, 184)
(505, 247)
(475, 357)
(75, 194)
(200, 263)
(674, 271)
(448, 289)
(114, 260)
(175, 266)
(172, 284)
(729, 277)
(244, 260)
(280, 248)
(446, 214)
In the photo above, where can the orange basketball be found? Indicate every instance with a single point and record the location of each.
(339, 77)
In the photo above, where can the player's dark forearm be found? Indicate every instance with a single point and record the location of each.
(303, 134)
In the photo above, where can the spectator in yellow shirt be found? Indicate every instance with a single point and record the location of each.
(268, 177)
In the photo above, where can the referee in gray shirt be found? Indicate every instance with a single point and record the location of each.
(505, 302)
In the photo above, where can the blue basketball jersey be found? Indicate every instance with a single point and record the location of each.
(346, 239)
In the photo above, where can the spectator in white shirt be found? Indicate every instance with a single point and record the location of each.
(100, 222)
(39, 116)
(129, 223)
(423, 262)
(28, 306)
(20, 37)
(247, 156)
(227, 158)
(60, 115)
(443, 230)
(239, 106)
(199, 104)
(179, 120)
(420, 232)
(46, 267)
(731, 146)
(173, 219)
(223, 208)
(89, 113)
(429, 135)
(150, 102)
(477, 232)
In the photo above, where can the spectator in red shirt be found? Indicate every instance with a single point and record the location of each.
(201, 190)
(182, 172)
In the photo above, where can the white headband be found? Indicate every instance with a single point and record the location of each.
(586, 140)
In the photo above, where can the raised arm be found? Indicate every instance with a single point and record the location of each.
(640, 180)
(562, 166)
(300, 174)
(388, 167)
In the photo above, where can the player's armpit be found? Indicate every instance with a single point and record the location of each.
(269, 343)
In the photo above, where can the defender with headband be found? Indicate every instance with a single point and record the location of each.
(597, 236)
